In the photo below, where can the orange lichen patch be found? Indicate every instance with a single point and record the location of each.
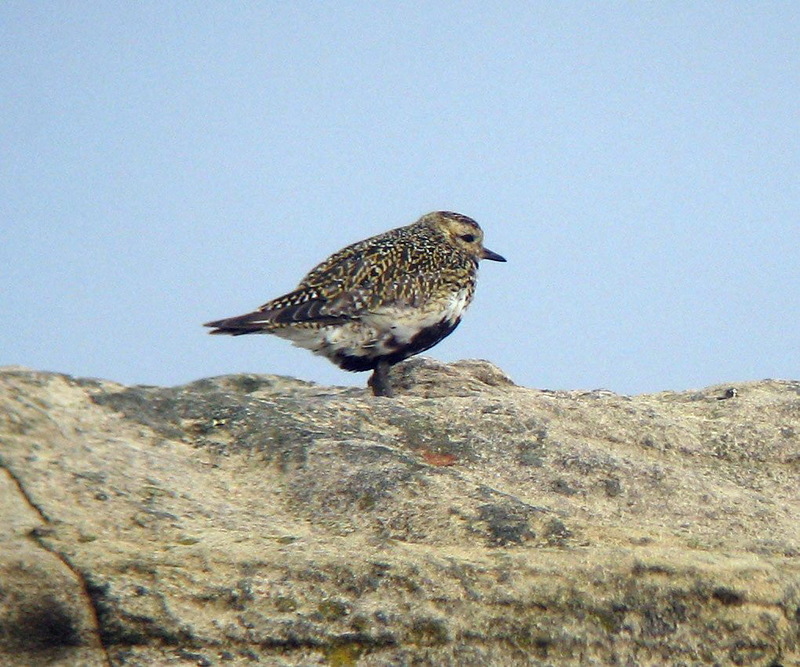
(438, 458)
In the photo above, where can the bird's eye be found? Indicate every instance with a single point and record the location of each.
(469, 238)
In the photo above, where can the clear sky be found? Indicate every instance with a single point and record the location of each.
(638, 164)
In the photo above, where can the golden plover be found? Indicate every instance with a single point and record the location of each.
(381, 300)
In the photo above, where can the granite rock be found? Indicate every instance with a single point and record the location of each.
(255, 519)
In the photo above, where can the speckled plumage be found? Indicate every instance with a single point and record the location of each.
(381, 300)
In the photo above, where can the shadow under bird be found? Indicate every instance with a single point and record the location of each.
(381, 300)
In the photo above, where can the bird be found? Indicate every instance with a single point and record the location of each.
(381, 300)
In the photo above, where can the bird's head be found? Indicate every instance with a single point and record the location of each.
(463, 232)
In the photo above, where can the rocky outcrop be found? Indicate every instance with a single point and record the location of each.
(258, 519)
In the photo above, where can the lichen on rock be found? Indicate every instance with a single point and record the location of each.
(467, 521)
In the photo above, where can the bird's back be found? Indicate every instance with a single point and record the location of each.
(407, 268)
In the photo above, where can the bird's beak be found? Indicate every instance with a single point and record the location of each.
(488, 254)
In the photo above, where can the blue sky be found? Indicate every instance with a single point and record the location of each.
(638, 164)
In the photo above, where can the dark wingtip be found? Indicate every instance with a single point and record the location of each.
(216, 325)
(235, 326)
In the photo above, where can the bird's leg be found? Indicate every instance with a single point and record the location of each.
(379, 380)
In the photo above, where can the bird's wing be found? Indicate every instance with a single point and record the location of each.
(361, 279)
(305, 305)
(299, 307)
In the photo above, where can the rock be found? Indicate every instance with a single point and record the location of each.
(249, 518)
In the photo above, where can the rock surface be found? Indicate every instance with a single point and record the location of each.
(258, 519)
